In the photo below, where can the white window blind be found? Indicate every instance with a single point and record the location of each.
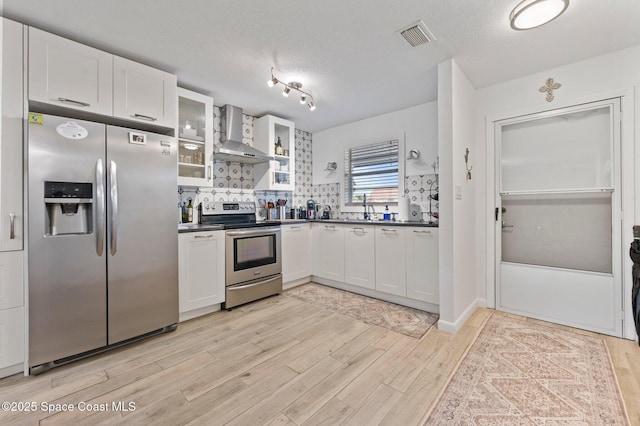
(372, 170)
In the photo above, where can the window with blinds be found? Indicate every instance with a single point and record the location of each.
(372, 170)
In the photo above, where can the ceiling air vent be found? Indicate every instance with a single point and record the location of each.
(416, 34)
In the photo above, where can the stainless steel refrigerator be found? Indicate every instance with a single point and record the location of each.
(103, 260)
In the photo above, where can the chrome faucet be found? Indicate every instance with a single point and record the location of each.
(364, 204)
(367, 207)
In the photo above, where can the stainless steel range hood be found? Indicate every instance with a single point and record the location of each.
(231, 147)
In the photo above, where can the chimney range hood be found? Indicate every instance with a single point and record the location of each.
(231, 147)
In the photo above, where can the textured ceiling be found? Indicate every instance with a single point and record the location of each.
(346, 53)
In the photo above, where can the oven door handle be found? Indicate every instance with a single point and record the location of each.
(252, 232)
(241, 287)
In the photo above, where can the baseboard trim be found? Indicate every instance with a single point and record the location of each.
(186, 316)
(295, 283)
(453, 327)
(10, 371)
(399, 300)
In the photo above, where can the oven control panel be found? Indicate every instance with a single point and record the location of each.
(221, 207)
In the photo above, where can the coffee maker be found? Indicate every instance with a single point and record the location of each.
(311, 209)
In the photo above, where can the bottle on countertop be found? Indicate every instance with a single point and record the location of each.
(184, 212)
(279, 146)
(189, 212)
(387, 215)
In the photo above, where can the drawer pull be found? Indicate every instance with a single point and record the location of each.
(203, 236)
(422, 232)
(145, 117)
(330, 227)
(71, 101)
(389, 230)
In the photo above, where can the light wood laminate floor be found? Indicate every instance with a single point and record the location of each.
(278, 361)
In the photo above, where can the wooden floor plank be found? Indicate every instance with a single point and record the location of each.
(278, 361)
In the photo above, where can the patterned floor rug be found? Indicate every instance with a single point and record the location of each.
(522, 373)
(408, 321)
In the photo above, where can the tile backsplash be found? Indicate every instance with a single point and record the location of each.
(234, 182)
(421, 189)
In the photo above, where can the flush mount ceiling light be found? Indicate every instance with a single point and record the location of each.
(190, 146)
(305, 98)
(534, 13)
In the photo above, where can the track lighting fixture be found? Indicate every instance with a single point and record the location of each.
(305, 98)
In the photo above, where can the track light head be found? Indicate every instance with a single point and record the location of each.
(303, 99)
(312, 106)
(272, 82)
(286, 91)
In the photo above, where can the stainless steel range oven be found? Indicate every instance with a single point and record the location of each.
(253, 261)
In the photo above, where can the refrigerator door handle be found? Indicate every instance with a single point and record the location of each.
(100, 205)
(114, 207)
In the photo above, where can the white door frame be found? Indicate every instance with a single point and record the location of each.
(630, 158)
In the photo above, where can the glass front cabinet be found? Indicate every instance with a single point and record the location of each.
(195, 138)
(276, 137)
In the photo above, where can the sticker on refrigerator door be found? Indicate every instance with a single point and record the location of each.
(137, 138)
(35, 118)
(165, 147)
(72, 130)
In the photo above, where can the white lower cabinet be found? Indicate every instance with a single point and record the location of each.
(201, 270)
(12, 326)
(296, 251)
(328, 251)
(359, 247)
(12, 333)
(390, 260)
(422, 264)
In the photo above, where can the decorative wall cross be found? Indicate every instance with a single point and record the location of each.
(549, 88)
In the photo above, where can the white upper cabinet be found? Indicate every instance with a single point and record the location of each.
(144, 94)
(276, 137)
(69, 74)
(12, 312)
(11, 129)
(195, 138)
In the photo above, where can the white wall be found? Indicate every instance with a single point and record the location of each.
(612, 75)
(458, 250)
(419, 122)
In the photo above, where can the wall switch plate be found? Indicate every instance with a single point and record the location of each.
(458, 192)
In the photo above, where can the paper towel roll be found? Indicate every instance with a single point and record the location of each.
(403, 208)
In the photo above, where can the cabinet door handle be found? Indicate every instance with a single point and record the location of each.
(209, 172)
(145, 117)
(329, 227)
(12, 220)
(295, 227)
(358, 229)
(71, 101)
(422, 232)
(203, 236)
(389, 230)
